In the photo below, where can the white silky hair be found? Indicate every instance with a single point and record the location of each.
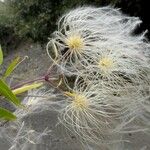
(101, 29)
(21, 137)
(37, 101)
(118, 66)
(98, 45)
(105, 19)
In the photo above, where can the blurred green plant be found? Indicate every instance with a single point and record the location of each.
(1, 56)
(6, 92)
(8, 38)
(35, 19)
(10, 94)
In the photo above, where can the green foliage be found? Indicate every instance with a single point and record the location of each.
(7, 33)
(36, 19)
(7, 93)
(11, 67)
(5, 90)
(1, 56)
(7, 115)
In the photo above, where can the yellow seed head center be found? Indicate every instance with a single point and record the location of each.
(80, 102)
(106, 63)
(75, 42)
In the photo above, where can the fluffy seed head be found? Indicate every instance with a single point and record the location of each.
(82, 44)
(85, 113)
(84, 32)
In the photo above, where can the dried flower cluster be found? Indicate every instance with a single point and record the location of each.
(97, 46)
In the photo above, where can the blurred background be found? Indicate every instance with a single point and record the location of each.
(35, 20)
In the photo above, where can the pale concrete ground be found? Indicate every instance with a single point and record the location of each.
(36, 65)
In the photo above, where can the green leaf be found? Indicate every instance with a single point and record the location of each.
(26, 88)
(7, 115)
(1, 56)
(6, 91)
(11, 67)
